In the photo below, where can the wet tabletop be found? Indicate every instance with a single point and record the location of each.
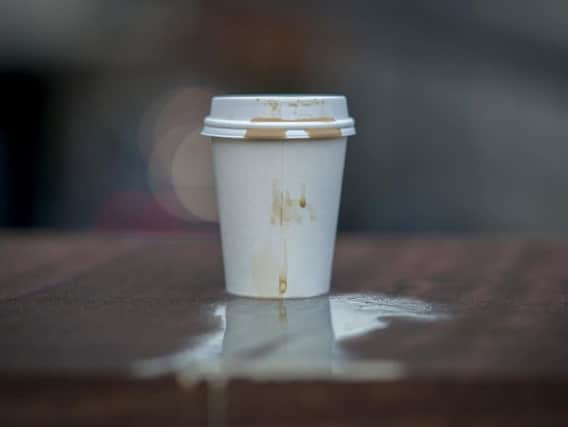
(144, 309)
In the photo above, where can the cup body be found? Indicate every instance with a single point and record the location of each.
(278, 207)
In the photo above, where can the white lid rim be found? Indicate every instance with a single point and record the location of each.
(277, 96)
(234, 133)
(279, 124)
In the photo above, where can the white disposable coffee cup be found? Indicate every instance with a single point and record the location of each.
(278, 168)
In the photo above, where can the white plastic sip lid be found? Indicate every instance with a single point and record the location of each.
(265, 117)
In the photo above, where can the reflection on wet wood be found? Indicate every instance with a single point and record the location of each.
(76, 311)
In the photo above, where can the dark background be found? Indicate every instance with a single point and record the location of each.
(461, 107)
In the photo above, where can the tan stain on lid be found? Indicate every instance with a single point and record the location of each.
(280, 133)
(305, 102)
(279, 119)
(323, 133)
(269, 133)
(272, 103)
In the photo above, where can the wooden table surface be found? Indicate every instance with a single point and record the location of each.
(114, 329)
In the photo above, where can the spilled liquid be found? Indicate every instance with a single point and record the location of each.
(292, 338)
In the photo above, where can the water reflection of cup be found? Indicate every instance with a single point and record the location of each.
(278, 169)
(294, 337)
(276, 335)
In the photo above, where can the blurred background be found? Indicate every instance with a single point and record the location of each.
(461, 107)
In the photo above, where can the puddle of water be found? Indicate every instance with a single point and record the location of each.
(291, 338)
(359, 314)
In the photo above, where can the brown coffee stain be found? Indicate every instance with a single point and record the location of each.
(283, 276)
(282, 284)
(286, 209)
(324, 133)
(302, 201)
(264, 134)
(281, 209)
(279, 119)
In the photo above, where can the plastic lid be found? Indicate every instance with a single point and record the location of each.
(266, 117)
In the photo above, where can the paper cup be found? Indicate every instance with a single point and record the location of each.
(278, 168)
